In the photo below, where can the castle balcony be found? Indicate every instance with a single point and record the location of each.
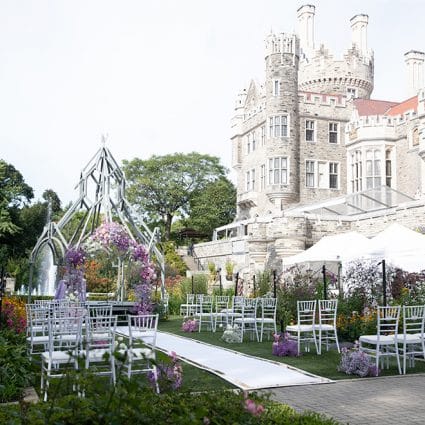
(247, 199)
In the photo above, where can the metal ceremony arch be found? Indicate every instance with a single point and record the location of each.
(102, 188)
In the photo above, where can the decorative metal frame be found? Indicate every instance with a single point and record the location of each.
(104, 177)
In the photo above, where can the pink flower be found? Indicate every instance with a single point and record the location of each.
(252, 407)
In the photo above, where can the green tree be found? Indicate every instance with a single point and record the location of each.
(163, 186)
(14, 193)
(50, 195)
(212, 207)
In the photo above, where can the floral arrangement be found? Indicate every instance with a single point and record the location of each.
(113, 235)
(73, 285)
(114, 238)
(169, 376)
(75, 257)
(284, 346)
(356, 362)
(13, 314)
(232, 334)
(190, 325)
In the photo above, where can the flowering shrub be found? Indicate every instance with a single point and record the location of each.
(13, 314)
(232, 334)
(169, 375)
(190, 325)
(252, 407)
(284, 346)
(351, 326)
(357, 362)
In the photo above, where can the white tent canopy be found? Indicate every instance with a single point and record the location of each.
(400, 247)
(342, 247)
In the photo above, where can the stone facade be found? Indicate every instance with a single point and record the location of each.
(310, 133)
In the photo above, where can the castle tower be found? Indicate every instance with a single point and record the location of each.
(359, 32)
(352, 75)
(282, 118)
(305, 15)
(415, 71)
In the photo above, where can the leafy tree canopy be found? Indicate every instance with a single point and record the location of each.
(163, 186)
(14, 193)
(212, 207)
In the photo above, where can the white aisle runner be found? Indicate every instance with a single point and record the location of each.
(244, 371)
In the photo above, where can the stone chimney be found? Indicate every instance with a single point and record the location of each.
(415, 71)
(359, 32)
(305, 15)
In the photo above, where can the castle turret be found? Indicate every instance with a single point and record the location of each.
(359, 32)
(415, 71)
(305, 15)
(282, 118)
(352, 75)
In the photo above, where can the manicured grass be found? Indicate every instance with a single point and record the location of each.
(324, 365)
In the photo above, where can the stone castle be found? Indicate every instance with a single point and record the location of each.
(315, 155)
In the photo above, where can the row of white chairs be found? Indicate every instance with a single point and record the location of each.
(389, 342)
(309, 330)
(74, 336)
(254, 316)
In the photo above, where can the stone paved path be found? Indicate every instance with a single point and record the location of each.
(386, 400)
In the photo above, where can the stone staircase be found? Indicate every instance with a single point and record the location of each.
(190, 262)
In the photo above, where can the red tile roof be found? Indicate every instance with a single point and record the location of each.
(373, 107)
(367, 107)
(403, 107)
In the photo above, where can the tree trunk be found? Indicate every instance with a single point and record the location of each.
(169, 219)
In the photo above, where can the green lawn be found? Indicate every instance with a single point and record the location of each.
(324, 365)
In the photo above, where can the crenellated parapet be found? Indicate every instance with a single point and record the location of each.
(352, 75)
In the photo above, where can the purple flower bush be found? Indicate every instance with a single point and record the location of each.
(169, 375)
(75, 256)
(357, 362)
(284, 346)
(190, 325)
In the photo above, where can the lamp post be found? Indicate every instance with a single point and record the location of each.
(384, 282)
(325, 289)
(253, 281)
(274, 283)
(219, 281)
(236, 283)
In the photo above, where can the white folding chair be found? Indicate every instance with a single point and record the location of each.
(100, 345)
(384, 344)
(267, 320)
(37, 328)
(326, 327)
(235, 308)
(412, 338)
(63, 349)
(221, 306)
(187, 309)
(304, 329)
(142, 330)
(247, 320)
(204, 313)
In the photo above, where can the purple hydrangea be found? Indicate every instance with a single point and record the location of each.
(284, 346)
(190, 325)
(357, 362)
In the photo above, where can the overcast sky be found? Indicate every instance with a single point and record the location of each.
(157, 76)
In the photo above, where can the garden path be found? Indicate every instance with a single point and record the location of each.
(244, 371)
